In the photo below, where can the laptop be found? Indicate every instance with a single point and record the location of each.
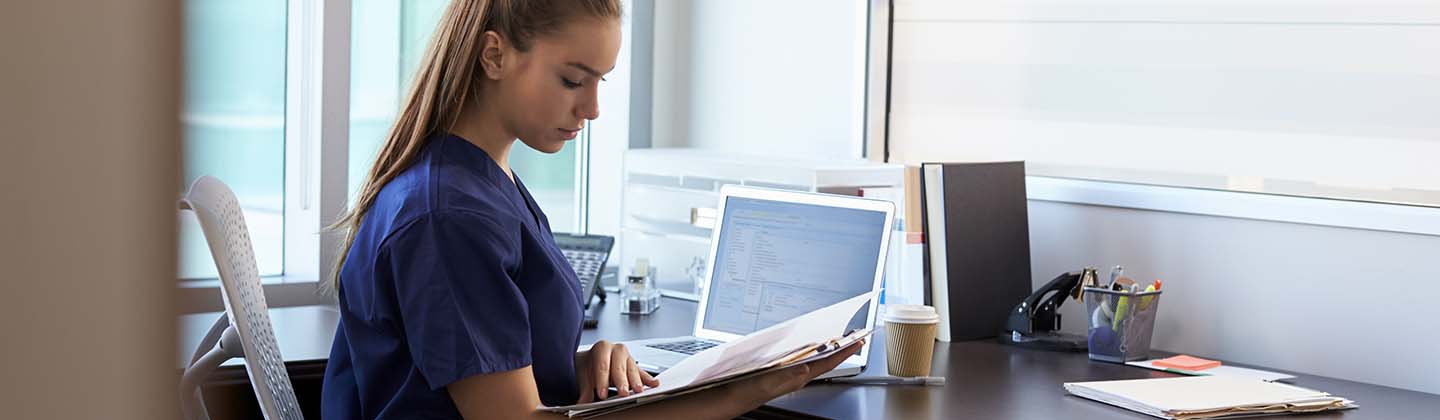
(777, 255)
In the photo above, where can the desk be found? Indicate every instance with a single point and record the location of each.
(303, 333)
(298, 331)
(986, 379)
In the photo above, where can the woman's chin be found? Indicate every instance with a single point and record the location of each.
(548, 146)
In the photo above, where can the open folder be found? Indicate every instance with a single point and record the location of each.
(804, 339)
(1207, 397)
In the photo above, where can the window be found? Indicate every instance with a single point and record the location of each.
(1331, 100)
(258, 82)
(234, 121)
(386, 44)
(808, 98)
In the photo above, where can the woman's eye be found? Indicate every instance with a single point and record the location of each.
(569, 84)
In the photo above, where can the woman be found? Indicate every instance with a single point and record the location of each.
(454, 300)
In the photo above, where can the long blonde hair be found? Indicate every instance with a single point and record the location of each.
(448, 73)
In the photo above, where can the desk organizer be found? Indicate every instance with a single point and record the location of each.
(1120, 323)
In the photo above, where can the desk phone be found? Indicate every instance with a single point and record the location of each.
(587, 255)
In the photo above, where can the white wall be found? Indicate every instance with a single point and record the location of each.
(988, 80)
(783, 77)
(1346, 303)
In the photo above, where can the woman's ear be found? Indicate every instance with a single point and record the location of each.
(492, 54)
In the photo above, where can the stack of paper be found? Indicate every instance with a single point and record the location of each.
(807, 338)
(1205, 397)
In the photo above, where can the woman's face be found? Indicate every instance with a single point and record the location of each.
(547, 96)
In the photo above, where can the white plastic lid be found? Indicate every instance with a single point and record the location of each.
(911, 314)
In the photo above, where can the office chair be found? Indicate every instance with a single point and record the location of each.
(244, 330)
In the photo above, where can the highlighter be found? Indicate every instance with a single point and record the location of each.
(1145, 301)
(1122, 308)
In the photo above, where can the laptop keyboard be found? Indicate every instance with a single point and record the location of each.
(688, 347)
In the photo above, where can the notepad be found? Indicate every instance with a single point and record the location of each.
(1205, 397)
(1226, 370)
(1184, 362)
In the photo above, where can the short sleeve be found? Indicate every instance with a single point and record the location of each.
(461, 312)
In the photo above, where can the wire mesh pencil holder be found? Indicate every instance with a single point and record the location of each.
(1120, 323)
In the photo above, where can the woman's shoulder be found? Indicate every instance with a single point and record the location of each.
(410, 202)
(432, 193)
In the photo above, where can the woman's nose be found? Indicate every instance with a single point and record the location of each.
(589, 109)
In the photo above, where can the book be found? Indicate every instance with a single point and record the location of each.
(809, 337)
(1207, 397)
(977, 245)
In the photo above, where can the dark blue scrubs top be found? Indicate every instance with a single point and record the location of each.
(453, 273)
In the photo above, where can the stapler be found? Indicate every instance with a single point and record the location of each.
(1035, 322)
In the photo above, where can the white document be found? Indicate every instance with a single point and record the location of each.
(746, 354)
(1195, 397)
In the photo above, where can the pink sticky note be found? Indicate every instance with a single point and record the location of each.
(1184, 362)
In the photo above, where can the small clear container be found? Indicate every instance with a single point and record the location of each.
(1121, 323)
(696, 271)
(638, 293)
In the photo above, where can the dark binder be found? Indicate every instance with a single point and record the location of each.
(987, 244)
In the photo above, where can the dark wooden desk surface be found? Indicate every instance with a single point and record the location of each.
(985, 379)
(303, 333)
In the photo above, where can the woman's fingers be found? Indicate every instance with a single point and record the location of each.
(775, 384)
(801, 376)
(636, 385)
(612, 364)
(619, 375)
(821, 366)
(785, 381)
(600, 367)
(646, 379)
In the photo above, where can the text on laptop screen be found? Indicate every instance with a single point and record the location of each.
(779, 260)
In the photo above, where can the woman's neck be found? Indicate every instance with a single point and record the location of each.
(480, 125)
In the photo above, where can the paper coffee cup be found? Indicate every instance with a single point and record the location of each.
(910, 339)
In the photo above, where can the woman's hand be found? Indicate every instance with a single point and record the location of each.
(609, 364)
(763, 388)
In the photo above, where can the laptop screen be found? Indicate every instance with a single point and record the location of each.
(778, 260)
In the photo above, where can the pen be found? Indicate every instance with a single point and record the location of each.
(890, 380)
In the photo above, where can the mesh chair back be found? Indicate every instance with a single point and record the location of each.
(224, 226)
